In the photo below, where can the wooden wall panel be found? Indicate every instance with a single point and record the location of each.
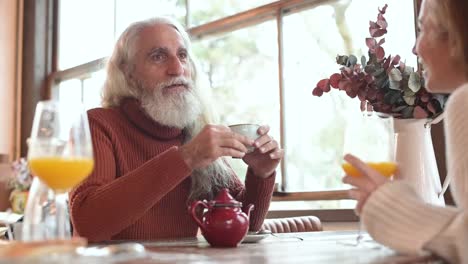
(10, 71)
(38, 59)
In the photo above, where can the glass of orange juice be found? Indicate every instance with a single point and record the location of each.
(60, 152)
(370, 136)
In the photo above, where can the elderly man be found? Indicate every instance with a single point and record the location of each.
(155, 149)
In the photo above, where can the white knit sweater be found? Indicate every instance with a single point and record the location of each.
(396, 216)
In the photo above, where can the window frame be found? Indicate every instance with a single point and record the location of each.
(274, 10)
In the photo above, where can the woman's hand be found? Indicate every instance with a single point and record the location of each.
(266, 156)
(365, 184)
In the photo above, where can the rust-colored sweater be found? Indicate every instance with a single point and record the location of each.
(140, 183)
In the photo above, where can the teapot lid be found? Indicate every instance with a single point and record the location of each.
(225, 199)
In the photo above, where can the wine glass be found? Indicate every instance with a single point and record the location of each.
(60, 152)
(370, 137)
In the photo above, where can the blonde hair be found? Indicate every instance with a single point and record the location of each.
(450, 15)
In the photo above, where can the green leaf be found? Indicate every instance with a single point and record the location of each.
(342, 60)
(352, 60)
(391, 97)
(395, 75)
(382, 82)
(409, 99)
(407, 112)
(398, 109)
(378, 72)
(394, 85)
(414, 82)
(409, 70)
(408, 92)
(363, 61)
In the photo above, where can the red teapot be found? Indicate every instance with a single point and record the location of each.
(224, 224)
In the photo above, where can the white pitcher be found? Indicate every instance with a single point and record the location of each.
(416, 160)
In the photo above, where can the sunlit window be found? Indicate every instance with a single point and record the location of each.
(204, 11)
(314, 126)
(243, 70)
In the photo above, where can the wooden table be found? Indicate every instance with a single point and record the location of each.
(311, 247)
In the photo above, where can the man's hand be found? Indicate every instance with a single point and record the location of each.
(365, 184)
(213, 142)
(266, 156)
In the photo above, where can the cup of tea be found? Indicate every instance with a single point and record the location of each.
(248, 130)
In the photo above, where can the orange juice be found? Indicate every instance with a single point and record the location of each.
(61, 174)
(387, 169)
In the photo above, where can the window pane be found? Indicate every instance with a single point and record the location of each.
(311, 205)
(203, 11)
(92, 88)
(86, 31)
(96, 34)
(128, 11)
(241, 68)
(87, 90)
(312, 39)
(68, 91)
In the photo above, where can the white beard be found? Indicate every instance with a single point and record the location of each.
(174, 110)
(184, 111)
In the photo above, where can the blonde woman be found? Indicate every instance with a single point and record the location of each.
(392, 212)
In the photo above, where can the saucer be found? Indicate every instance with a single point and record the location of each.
(254, 237)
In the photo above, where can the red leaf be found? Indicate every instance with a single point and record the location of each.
(425, 98)
(371, 43)
(351, 93)
(347, 72)
(372, 24)
(386, 108)
(382, 11)
(386, 65)
(380, 96)
(381, 41)
(324, 85)
(402, 66)
(335, 79)
(362, 95)
(380, 53)
(366, 106)
(371, 94)
(419, 112)
(317, 92)
(396, 60)
(357, 68)
(343, 84)
(381, 21)
(378, 32)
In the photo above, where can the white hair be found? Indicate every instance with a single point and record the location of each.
(205, 181)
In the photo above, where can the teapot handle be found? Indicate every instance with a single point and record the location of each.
(193, 213)
(248, 209)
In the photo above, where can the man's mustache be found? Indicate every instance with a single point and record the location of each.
(179, 81)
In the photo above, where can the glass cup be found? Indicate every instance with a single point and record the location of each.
(370, 137)
(60, 153)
